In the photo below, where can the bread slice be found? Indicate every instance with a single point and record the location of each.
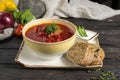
(82, 53)
(86, 54)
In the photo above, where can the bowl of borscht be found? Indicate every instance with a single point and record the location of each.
(49, 38)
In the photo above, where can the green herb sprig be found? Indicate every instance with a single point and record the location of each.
(23, 17)
(105, 76)
(81, 31)
(51, 28)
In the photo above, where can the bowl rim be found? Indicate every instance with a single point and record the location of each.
(74, 34)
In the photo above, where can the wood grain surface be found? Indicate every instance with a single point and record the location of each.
(109, 39)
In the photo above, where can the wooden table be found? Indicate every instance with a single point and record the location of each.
(109, 39)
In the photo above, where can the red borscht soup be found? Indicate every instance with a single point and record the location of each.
(49, 32)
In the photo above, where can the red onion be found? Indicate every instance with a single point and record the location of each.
(6, 19)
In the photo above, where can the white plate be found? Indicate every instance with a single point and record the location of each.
(26, 58)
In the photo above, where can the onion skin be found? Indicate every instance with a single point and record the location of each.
(7, 19)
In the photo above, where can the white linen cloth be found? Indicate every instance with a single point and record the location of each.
(75, 8)
(7, 33)
(78, 9)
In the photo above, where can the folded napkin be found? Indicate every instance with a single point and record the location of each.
(6, 33)
(78, 9)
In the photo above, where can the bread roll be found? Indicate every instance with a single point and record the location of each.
(85, 54)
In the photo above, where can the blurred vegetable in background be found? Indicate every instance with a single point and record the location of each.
(23, 17)
(9, 15)
(6, 19)
(7, 5)
(18, 31)
(2, 7)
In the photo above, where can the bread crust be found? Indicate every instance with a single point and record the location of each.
(98, 57)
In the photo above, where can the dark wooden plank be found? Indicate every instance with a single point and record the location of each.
(109, 32)
(13, 42)
(97, 25)
(15, 72)
(114, 18)
(109, 39)
(8, 55)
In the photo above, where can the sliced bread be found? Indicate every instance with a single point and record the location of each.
(85, 53)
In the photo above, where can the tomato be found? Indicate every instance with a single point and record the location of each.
(18, 31)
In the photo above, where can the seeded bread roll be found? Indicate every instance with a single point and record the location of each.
(85, 54)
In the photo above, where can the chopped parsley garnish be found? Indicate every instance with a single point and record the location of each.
(51, 28)
(105, 76)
